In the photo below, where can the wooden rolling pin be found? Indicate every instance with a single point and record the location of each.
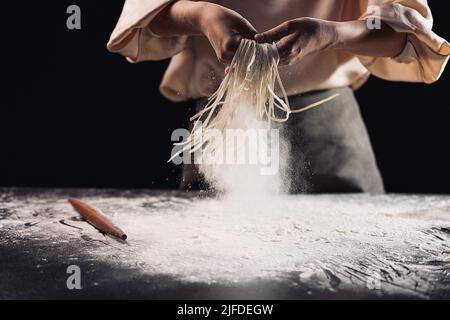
(97, 219)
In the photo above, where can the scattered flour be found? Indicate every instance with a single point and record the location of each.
(392, 243)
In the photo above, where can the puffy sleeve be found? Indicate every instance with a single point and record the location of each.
(425, 54)
(133, 38)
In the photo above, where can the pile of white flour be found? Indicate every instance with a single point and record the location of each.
(387, 243)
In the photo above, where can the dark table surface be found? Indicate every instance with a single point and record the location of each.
(186, 246)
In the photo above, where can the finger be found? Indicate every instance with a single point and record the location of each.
(228, 49)
(227, 69)
(287, 47)
(289, 57)
(225, 58)
(274, 34)
(248, 32)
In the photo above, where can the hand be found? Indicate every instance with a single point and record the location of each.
(225, 29)
(298, 38)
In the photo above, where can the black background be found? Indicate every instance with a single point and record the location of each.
(73, 114)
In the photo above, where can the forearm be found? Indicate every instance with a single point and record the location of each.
(357, 38)
(179, 18)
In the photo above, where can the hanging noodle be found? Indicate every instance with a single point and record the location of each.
(250, 81)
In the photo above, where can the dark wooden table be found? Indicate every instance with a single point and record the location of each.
(186, 246)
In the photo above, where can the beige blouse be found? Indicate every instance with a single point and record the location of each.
(195, 72)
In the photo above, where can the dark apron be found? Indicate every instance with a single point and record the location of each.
(330, 149)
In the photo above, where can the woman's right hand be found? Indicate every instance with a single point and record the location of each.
(224, 29)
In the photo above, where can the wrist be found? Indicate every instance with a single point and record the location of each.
(349, 32)
(196, 13)
(179, 18)
(331, 34)
(205, 14)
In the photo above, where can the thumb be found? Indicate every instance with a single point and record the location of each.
(248, 31)
(275, 34)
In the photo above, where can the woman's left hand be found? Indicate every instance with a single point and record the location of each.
(298, 38)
